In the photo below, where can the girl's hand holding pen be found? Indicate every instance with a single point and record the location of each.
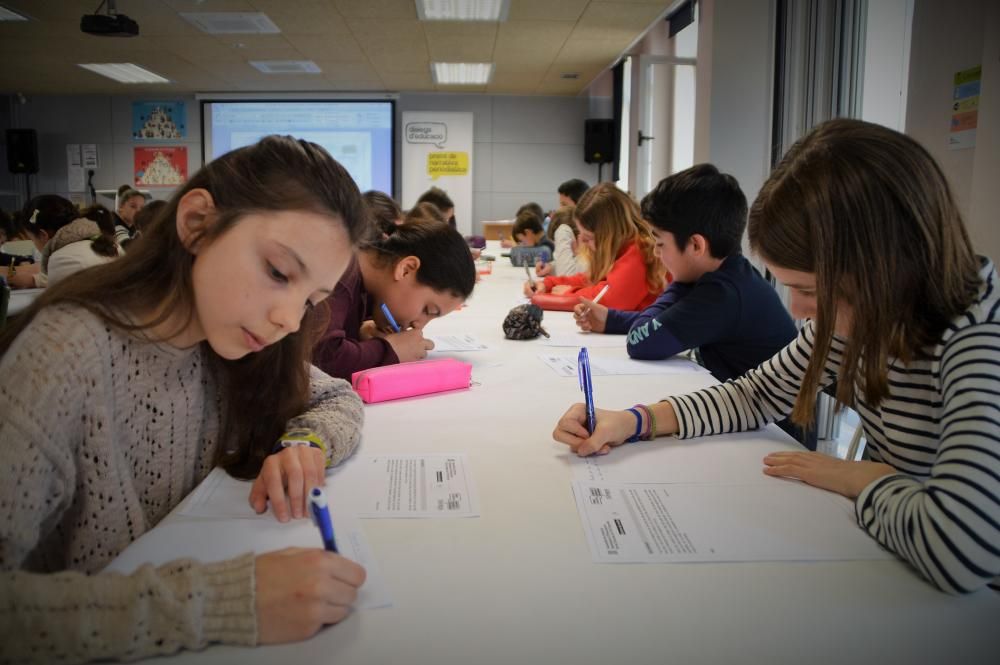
(613, 427)
(285, 480)
(543, 269)
(529, 290)
(410, 345)
(590, 316)
(300, 590)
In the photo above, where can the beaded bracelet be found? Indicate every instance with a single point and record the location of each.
(301, 437)
(649, 419)
(652, 423)
(638, 426)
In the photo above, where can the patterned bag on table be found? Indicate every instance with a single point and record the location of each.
(524, 322)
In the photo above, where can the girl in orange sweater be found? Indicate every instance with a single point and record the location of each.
(619, 247)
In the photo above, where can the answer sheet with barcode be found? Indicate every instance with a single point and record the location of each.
(777, 521)
(418, 486)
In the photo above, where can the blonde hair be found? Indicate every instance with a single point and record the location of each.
(869, 212)
(613, 217)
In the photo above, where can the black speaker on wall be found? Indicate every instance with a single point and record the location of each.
(599, 141)
(22, 151)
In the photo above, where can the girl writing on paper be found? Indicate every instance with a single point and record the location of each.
(138, 377)
(421, 272)
(859, 222)
(620, 251)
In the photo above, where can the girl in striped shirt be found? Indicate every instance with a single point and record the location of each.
(858, 221)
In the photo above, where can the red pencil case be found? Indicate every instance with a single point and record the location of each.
(422, 377)
(560, 303)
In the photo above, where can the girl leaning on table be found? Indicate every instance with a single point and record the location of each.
(138, 377)
(858, 221)
(619, 250)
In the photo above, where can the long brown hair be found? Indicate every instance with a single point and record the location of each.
(613, 217)
(261, 391)
(563, 215)
(869, 212)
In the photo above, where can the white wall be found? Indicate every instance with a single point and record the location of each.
(947, 38)
(887, 62)
(524, 146)
(106, 121)
(734, 89)
(984, 203)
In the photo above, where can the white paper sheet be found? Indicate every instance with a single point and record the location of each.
(777, 521)
(738, 459)
(457, 343)
(600, 366)
(207, 539)
(407, 486)
(590, 340)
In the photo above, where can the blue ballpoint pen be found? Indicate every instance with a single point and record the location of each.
(388, 317)
(321, 515)
(583, 369)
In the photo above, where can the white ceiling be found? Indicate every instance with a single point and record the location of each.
(360, 45)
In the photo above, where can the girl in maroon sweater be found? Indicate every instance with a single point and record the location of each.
(420, 272)
(620, 249)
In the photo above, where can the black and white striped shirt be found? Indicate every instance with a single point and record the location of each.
(939, 427)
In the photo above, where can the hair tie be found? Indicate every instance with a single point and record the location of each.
(34, 217)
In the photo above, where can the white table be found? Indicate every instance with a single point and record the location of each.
(20, 299)
(517, 585)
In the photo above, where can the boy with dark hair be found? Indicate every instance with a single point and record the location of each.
(571, 191)
(532, 245)
(528, 231)
(717, 303)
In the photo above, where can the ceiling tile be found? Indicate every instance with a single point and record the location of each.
(452, 41)
(546, 10)
(407, 81)
(622, 15)
(341, 48)
(530, 42)
(394, 9)
(348, 71)
(367, 43)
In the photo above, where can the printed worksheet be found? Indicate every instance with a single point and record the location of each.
(433, 485)
(738, 458)
(565, 365)
(778, 521)
(204, 530)
(457, 343)
(590, 340)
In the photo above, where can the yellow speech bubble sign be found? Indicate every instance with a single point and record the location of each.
(447, 163)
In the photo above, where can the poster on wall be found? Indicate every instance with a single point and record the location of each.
(437, 152)
(965, 109)
(158, 121)
(160, 167)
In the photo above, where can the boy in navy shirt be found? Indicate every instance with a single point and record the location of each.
(717, 303)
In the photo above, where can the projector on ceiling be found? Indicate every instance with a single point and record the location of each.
(109, 25)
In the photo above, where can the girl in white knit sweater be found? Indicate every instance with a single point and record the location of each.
(136, 378)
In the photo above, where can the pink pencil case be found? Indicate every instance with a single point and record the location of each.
(423, 377)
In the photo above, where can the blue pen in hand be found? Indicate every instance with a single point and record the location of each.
(583, 368)
(389, 318)
(321, 515)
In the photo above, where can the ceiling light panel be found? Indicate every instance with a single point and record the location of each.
(463, 10)
(231, 23)
(125, 72)
(462, 73)
(286, 66)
